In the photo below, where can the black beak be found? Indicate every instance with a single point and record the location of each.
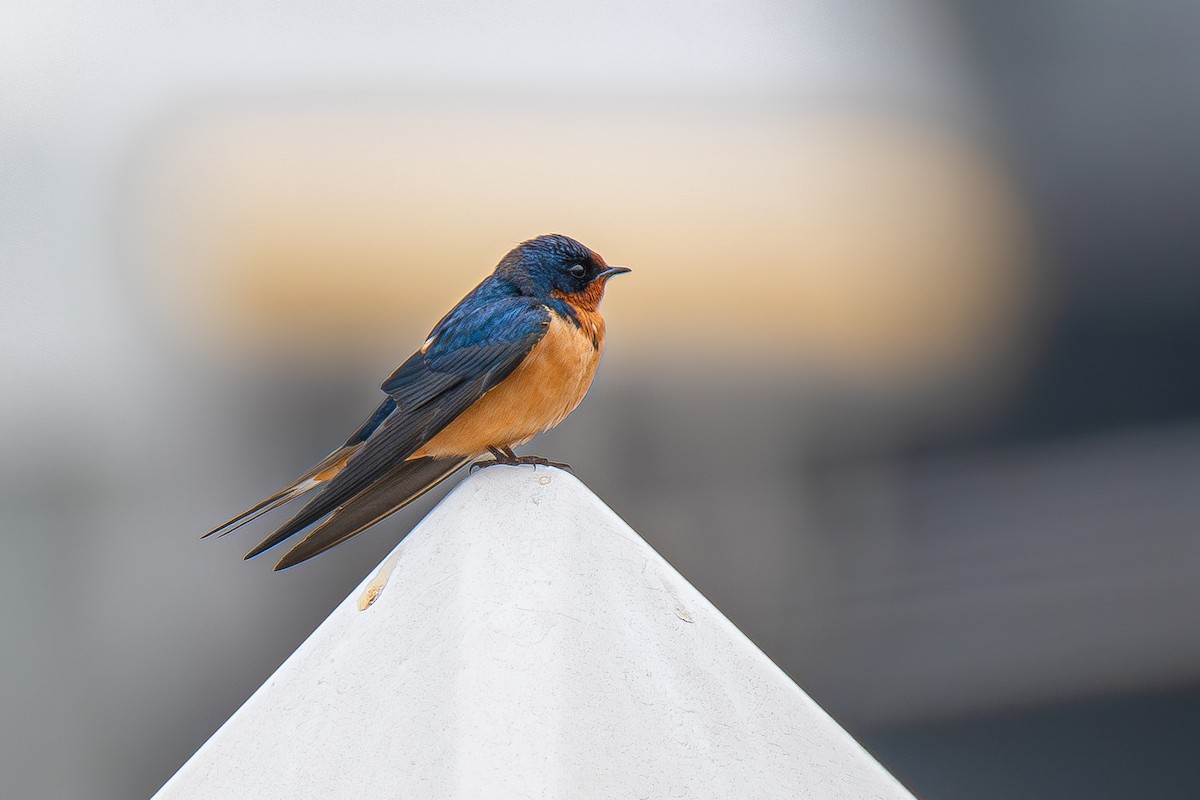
(611, 271)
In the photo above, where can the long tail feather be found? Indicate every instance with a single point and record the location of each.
(330, 466)
(328, 469)
(392, 445)
(266, 506)
(402, 485)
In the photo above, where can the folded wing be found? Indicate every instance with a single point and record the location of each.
(469, 353)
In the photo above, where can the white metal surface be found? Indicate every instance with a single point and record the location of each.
(528, 644)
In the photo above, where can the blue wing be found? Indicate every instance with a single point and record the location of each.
(475, 347)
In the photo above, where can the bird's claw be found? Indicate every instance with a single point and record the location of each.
(538, 461)
(535, 461)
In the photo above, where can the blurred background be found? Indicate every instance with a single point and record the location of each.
(904, 380)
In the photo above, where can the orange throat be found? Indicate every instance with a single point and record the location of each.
(586, 305)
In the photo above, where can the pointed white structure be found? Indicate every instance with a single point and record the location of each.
(528, 644)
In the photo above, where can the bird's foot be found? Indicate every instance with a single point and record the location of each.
(538, 461)
(516, 461)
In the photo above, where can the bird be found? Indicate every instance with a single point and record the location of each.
(512, 359)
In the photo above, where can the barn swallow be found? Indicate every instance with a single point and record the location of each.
(511, 360)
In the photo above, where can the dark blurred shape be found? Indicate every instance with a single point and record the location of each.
(1114, 747)
(1096, 105)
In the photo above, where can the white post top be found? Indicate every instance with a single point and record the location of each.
(528, 644)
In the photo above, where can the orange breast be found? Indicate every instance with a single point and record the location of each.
(539, 394)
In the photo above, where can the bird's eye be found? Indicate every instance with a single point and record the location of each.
(577, 270)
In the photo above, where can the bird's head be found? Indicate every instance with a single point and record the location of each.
(558, 266)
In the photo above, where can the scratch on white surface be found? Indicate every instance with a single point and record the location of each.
(379, 582)
(680, 610)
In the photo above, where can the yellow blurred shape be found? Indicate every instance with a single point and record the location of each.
(322, 229)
